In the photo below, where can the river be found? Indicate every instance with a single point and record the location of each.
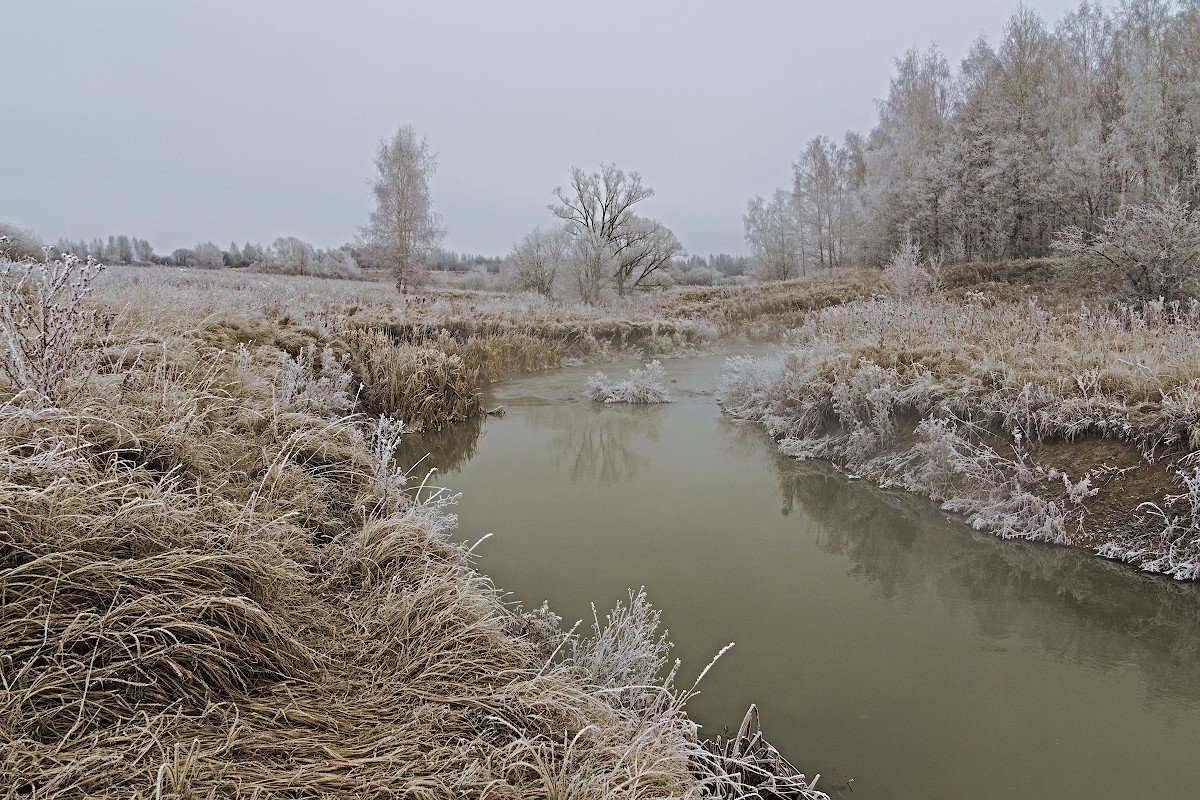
(882, 641)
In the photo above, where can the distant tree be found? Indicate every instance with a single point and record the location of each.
(143, 253)
(536, 261)
(289, 255)
(599, 207)
(590, 267)
(823, 194)
(124, 249)
(206, 255)
(251, 253)
(775, 233)
(19, 243)
(403, 231)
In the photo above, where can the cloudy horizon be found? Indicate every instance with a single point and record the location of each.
(211, 121)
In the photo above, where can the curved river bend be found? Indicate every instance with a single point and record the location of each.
(881, 640)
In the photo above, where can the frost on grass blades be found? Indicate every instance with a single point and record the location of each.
(208, 547)
(965, 401)
(643, 386)
(44, 322)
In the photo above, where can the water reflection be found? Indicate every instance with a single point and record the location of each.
(596, 442)
(447, 449)
(901, 546)
(877, 634)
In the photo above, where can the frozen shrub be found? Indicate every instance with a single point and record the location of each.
(626, 653)
(388, 479)
(19, 244)
(479, 279)
(905, 276)
(697, 276)
(48, 330)
(643, 386)
(1154, 248)
(304, 384)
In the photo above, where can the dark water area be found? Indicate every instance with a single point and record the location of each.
(880, 639)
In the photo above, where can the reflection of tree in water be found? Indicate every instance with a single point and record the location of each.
(1080, 608)
(447, 448)
(598, 442)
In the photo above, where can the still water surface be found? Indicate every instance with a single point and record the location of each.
(879, 638)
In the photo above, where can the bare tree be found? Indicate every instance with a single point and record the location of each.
(590, 267)
(601, 205)
(775, 233)
(403, 231)
(537, 260)
(206, 255)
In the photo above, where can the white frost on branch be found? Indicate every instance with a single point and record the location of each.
(643, 386)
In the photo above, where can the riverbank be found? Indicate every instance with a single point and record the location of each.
(873, 631)
(218, 581)
(1076, 427)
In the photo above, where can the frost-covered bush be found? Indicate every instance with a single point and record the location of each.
(479, 279)
(288, 255)
(1174, 550)
(643, 386)
(47, 329)
(18, 244)
(388, 479)
(626, 653)
(1154, 248)
(905, 275)
(306, 384)
(1007, 496)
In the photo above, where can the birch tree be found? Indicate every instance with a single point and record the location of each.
(403, 232)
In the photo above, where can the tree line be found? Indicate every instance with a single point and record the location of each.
(1052, 128)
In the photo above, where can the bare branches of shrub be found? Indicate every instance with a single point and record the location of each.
(46, 326)
(1153, 248)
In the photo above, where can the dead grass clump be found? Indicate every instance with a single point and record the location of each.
(422, 386)
(502, 354)
(227, 332)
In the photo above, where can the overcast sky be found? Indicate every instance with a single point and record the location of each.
(186, 121)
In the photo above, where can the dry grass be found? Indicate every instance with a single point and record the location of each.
(421, 385)
(216, 582)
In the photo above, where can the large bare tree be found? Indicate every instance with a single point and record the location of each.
(600, 206)
(403, 231)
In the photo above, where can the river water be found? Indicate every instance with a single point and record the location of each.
(882, 641)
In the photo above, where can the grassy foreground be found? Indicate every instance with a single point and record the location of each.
(215, 581)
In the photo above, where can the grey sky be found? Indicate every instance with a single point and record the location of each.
(181, 121)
